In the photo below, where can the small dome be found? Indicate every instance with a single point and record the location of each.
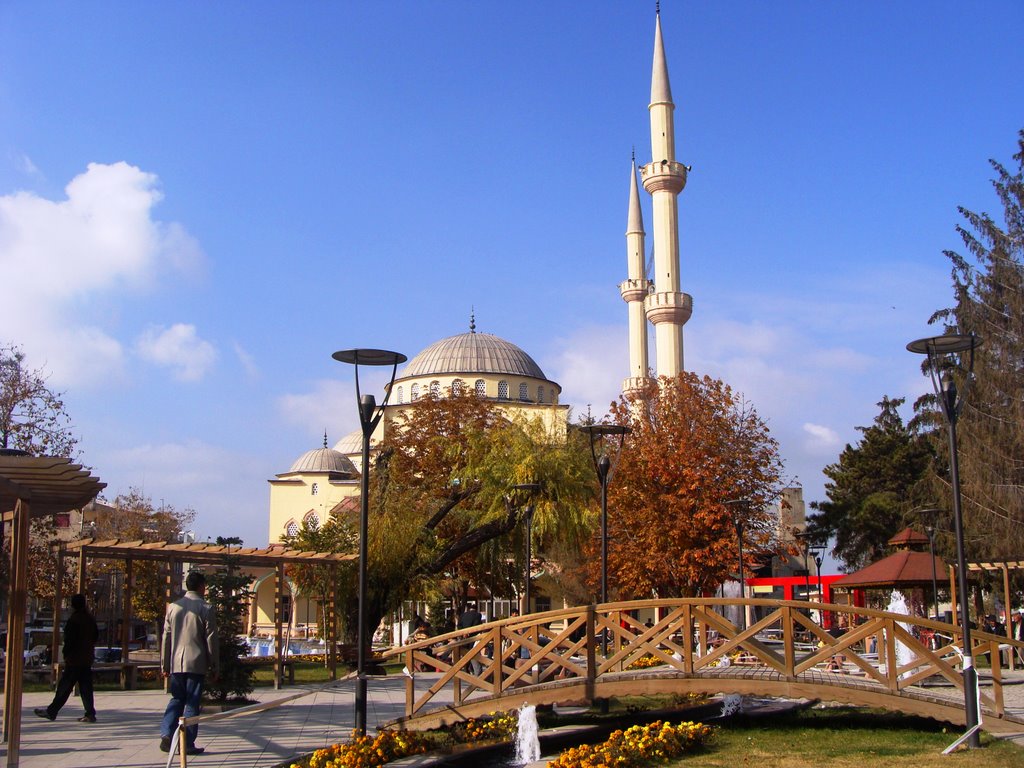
(351, 443)
(472, 353)
(323, 460)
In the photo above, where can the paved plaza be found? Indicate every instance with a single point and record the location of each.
(128, 729)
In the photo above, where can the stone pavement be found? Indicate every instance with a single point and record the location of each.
(127, 731)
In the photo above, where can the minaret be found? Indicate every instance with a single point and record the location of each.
(664, 178)
(635, 289)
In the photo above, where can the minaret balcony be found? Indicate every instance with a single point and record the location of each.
(635, 384)
(668, 307)
(635, 289)
(664, 175)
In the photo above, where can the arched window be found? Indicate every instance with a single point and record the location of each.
(414, 393)
(292, 528)
(524, 393)
(481, 388)
(435, 389)
(314, 489)
(540, 394)
(313, 520)
(503, 390)
(457, 387)
(400, 394)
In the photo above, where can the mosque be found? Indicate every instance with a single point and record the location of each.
(325, 481)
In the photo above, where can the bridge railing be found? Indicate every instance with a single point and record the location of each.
(693, 637)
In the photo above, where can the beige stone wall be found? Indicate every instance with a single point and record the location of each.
(292, 499)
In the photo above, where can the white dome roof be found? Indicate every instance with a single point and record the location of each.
(324, 460)
(472, 353)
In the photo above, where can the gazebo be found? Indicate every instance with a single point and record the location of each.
(906, 567)
(30, 487)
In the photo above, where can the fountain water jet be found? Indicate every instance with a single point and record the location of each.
(528, 739)
(898, 604)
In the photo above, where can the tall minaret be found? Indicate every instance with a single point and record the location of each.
(664, 178)
(635, 289)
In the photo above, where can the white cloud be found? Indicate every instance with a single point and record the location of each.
(590, 365)
(247, 360)
(24, 164)
(179, 348)
(192, 474)
(68, 263)
(330, 405)
(821, 439)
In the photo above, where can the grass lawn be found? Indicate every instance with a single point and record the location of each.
(844, 737)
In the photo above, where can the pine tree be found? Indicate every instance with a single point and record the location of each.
(873, 488)
(988, 288)
(227, 591)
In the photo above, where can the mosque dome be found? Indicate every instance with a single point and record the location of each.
(350, 443)
(324, 460)
(473, 353)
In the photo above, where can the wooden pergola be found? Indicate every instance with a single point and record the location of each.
(169, 554)
(1000, 567)
(30, 487)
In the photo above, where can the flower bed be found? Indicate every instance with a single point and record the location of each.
(638, 746)
(368, 752)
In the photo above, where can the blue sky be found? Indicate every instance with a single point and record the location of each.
(200, 202)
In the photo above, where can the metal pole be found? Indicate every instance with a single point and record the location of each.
(821, 596)
(603, 465)
(529, 557)
(743, 594)
(366, 408)
(970, 673)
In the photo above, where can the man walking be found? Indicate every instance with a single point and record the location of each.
(80, 634)
(189, 652)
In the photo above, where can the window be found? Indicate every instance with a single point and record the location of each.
(435, 389)
(541, 603)
(414, 393)
(313, 520)
(457, 387)
(314, 489)
(540, 394)
(524, 393)
(62, 520)
(292, 528)
(401, 398)
(481, 388)
(503, 390)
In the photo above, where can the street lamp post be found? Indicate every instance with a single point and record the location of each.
(369, 416)
(600, 436)
(819, 554)
(737, 520)
(929, 529)
(944, 354)
(530, 489)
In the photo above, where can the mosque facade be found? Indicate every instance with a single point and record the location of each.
(325, 481)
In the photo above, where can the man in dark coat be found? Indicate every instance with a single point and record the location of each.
(80, 634)
(471, 618)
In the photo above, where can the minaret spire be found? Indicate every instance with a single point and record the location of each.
(668, 308)
(635, 289)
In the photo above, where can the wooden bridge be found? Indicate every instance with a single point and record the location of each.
(885, 660)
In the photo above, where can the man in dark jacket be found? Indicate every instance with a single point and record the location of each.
(80, 634)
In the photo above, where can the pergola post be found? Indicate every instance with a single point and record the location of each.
(1008, 609)
(14, 681)
(332, 626)
(58, 599)
(126, 625)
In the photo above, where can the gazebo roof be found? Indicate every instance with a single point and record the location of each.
(908, 537)
(50, 485)
(901, 568)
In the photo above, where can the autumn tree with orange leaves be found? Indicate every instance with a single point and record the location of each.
(695, 445)
(441, 509)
